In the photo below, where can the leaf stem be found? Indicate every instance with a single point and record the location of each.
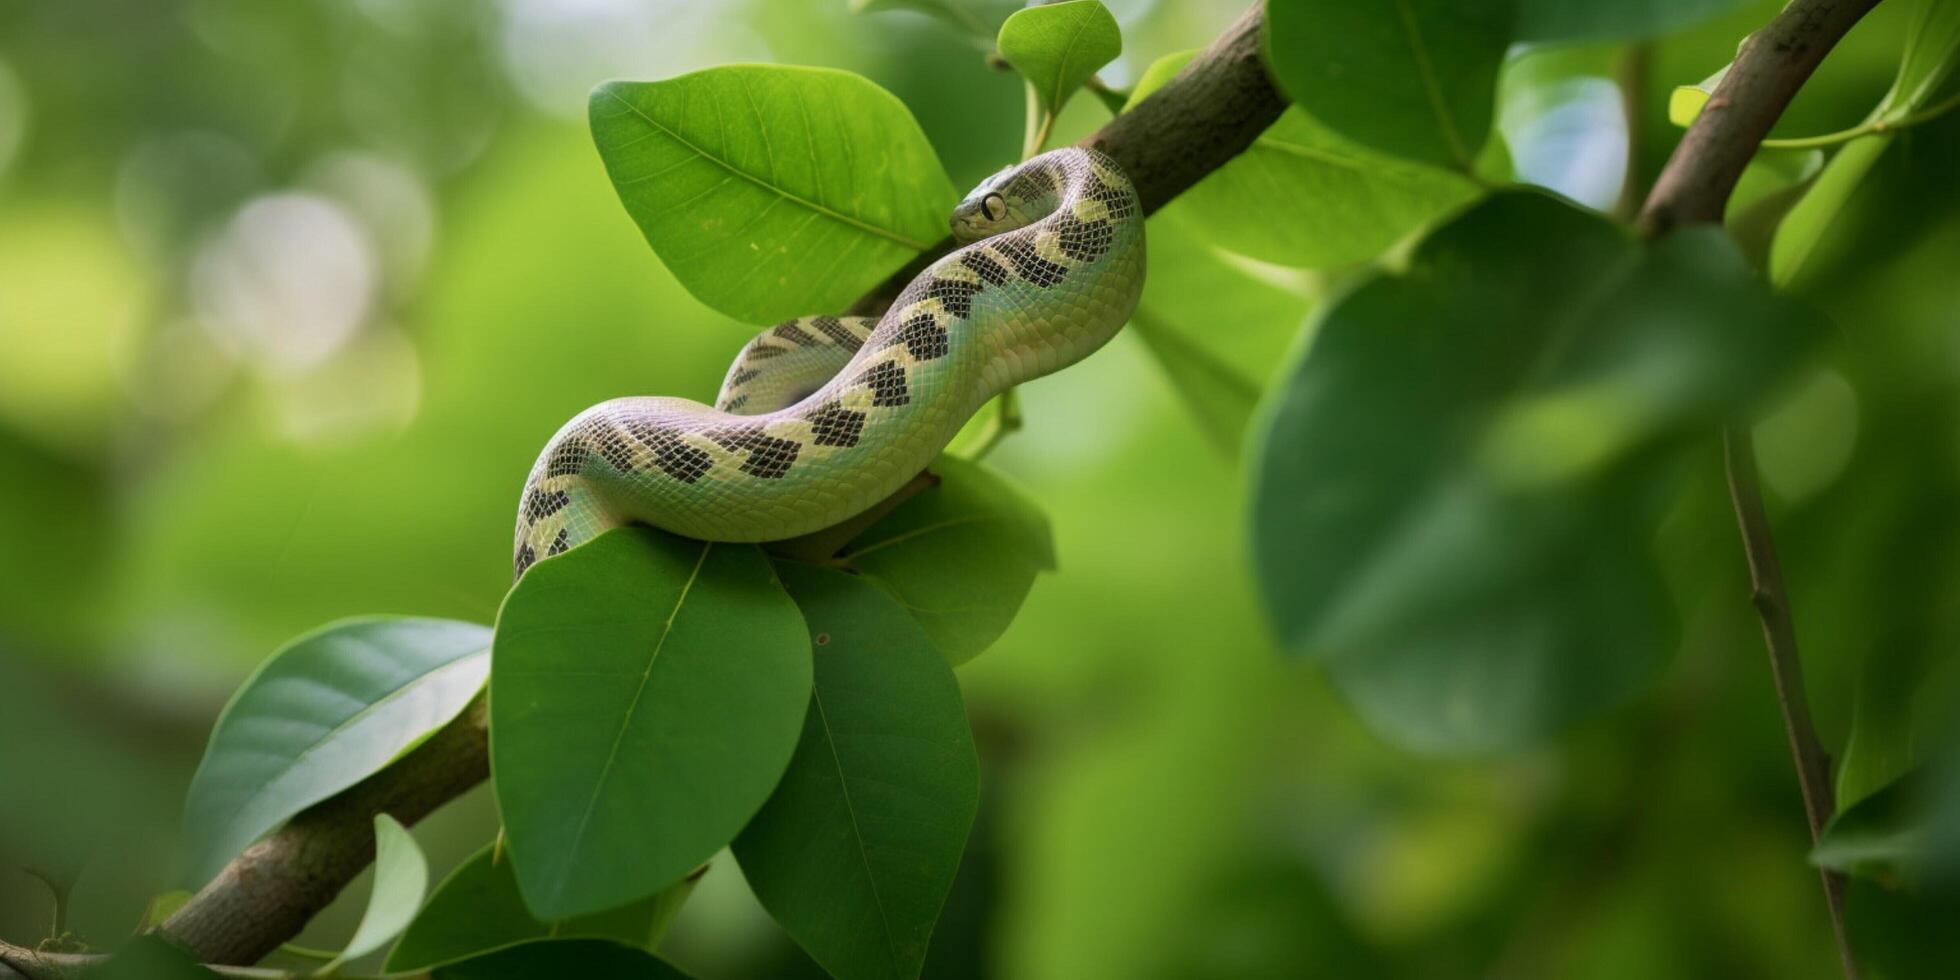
(1870, 128)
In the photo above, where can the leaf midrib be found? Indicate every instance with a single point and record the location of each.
(626, 723)
(1430, 87)
(390, 697)
(838, 216)
(857, 833)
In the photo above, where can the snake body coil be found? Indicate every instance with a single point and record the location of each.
(822, 417)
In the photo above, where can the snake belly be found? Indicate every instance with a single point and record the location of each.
(820, 418)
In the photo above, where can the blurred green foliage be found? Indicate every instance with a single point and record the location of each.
(291, 293)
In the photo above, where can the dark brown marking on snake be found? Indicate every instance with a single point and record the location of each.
(560, 544)
(539, 505)
(568, 459)
(744, 376)
(834, 329)
(984, 266)
(670, 455)
(769, 457)
(526, 557)
(762, 352)
(923, 338)
(1019, 250)
(834, 425)
(954, 294)
(1083, 241)
(613, 448)
(795, 334)
(887, 383)
(735, 404)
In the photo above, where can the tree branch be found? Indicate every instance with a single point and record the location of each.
(1202, 118)
(1208, 114)
(1694, 188)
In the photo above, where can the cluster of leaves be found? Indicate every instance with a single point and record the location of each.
(1458, 485)
(656, 699)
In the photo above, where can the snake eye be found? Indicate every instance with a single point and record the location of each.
(993, 206)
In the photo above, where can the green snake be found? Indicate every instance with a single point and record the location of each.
(822, 417)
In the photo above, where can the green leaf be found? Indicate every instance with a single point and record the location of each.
(1456, 487)
(1412, 78)
(1159, 72)
(1192, 288)
(959, 557)
(401, 878)
(856, 851)
(563, 958)
(1594, 20)
(478, 909)
(150, 958)
(772, 191)
(977, 19)
(323, 713)
(1056, 47)
(1303, 195)
(1686, 101)
(160, 908)
(646, 695)
(1881, 836)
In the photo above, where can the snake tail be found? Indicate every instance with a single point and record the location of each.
(821, 417)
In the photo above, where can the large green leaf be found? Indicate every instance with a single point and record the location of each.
(1219, 332)
(563, 958)
(1057, 46)
(772, 191)
(323, 713)
(646, 695)
(960, 557)
(401, 878)
(1413, 78)
(478, 909)
(1303, 195)
(1456, 486)
(1591, 20)
(855, 852)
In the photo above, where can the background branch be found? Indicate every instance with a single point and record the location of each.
(1694, 188)
(1202, 118)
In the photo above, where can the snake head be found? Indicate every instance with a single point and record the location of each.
(1014, 197)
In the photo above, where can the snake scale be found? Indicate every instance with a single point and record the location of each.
(820, 418)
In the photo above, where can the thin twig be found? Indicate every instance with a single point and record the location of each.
(1772, 604)
(1694, 188)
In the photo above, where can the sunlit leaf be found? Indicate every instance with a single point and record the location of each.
(478, 909)
(960, 557)
(1056, 47)
(1303, 195)
(320, 715)
(772, 191)
(401, 878)
(563, 958)
(646, 695)
(855, 852)
(1457, 485)
(1686, 101)
(1412, 78)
